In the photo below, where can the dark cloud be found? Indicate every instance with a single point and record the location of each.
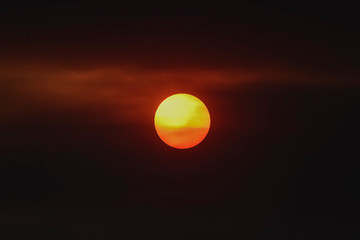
(80, 83)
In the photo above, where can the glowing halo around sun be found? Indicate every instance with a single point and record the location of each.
(182, 121)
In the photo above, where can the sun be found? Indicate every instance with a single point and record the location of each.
(182, 121)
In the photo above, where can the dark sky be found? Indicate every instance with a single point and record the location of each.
(79, 85)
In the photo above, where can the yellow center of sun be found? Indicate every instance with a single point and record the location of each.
(182, 121)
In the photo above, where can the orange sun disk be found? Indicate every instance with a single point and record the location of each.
(182, 121)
